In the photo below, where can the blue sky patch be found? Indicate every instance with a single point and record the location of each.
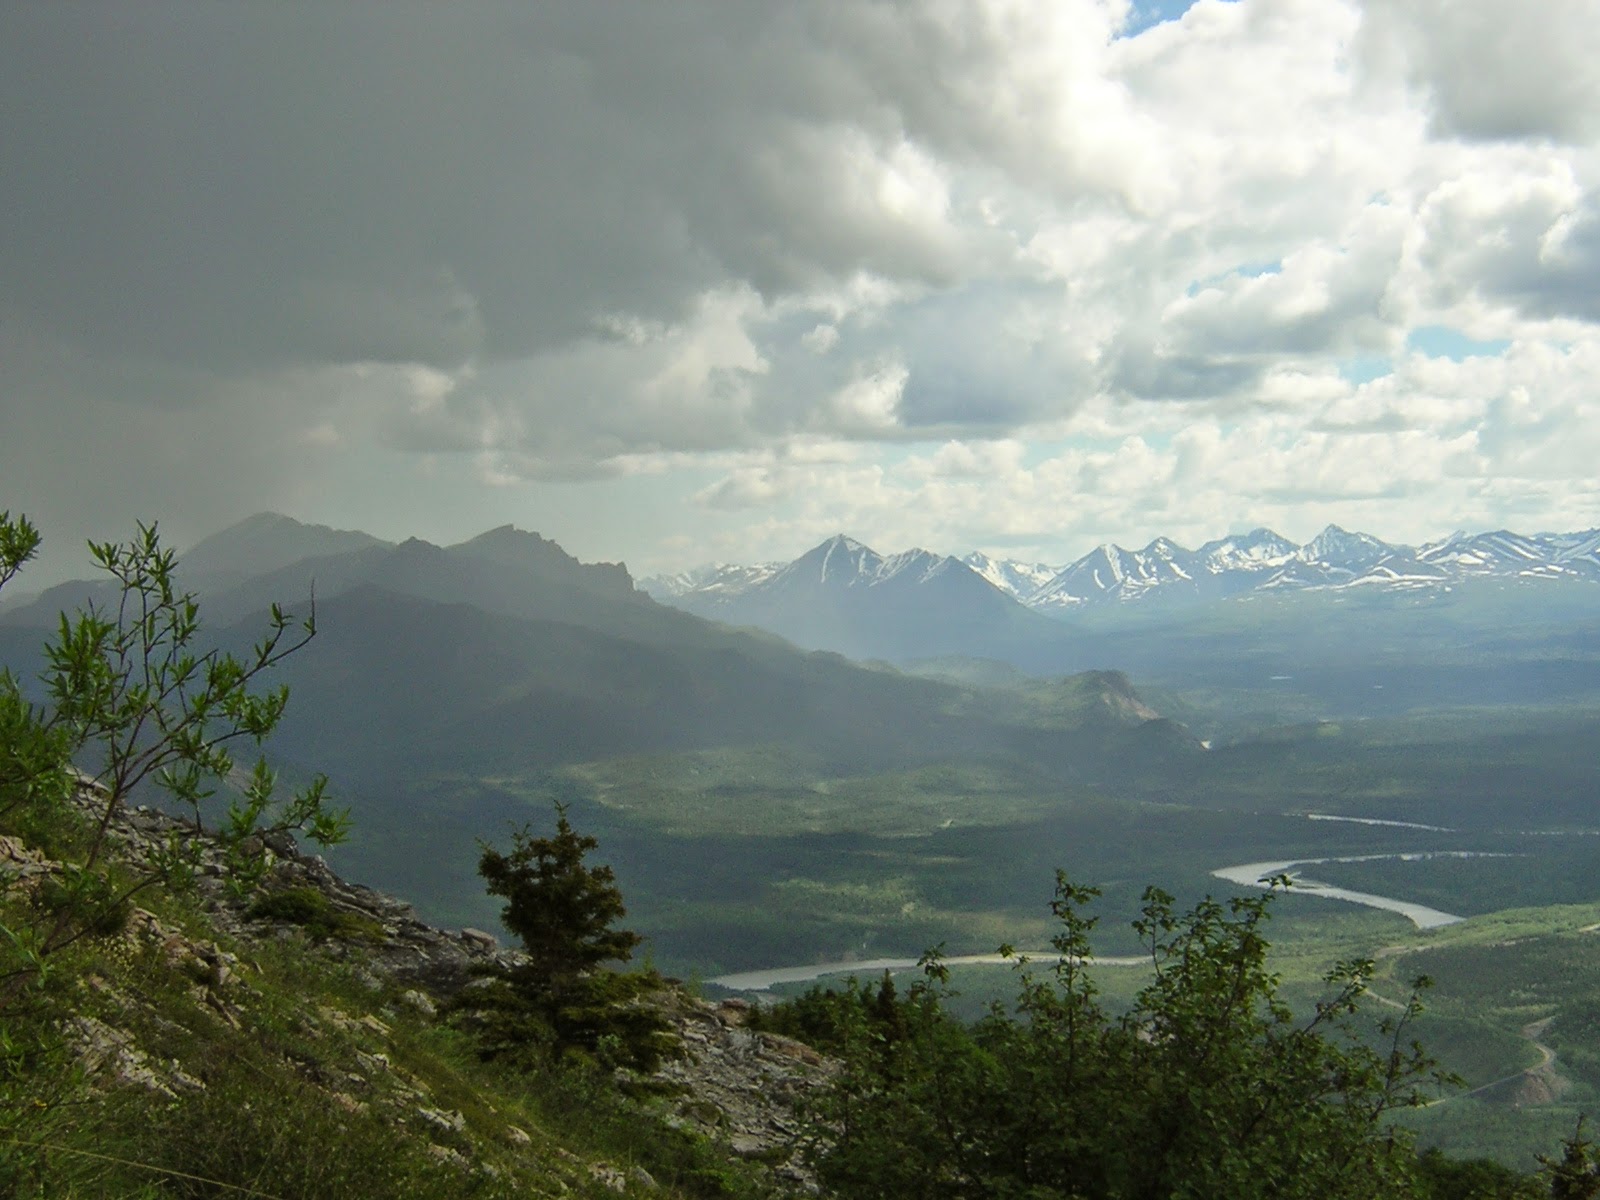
(1440, 341)
(1148, 13)
(1365, 369)
(1244, 271)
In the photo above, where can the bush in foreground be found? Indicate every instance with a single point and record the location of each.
(1207, 1087)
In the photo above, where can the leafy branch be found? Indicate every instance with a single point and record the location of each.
(134, 699)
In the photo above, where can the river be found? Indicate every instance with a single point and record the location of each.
(1254, 874)
(760, 981)
(1257, 874)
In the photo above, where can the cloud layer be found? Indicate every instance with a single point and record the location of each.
(965, 272)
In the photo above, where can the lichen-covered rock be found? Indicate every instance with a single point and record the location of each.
(21, 866)
(113, 1056)
(745, 1088)
(436, 962)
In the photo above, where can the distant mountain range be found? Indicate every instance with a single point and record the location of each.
(845, 572)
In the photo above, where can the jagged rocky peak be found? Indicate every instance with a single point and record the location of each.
(842, 560)
(521, 548)
(509, 542)
(1165, 547)
(1340, 547)
(1260, 547)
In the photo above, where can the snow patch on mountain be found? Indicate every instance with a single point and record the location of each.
(1018, 579)
(711, 579)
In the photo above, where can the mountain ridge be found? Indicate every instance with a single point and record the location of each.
(1236, 564)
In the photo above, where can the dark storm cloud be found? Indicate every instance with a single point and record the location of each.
(307, 183)
(264, 185)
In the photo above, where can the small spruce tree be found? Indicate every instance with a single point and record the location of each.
(1576, 1174)
(560, 909)
(561, 997)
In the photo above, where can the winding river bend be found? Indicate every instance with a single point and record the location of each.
(1257, 874)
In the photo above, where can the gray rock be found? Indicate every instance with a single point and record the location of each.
(443, 1122)
(419, 1001)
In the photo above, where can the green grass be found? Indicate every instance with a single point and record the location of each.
(311, 910)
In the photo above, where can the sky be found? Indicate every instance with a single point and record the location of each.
(674, 281)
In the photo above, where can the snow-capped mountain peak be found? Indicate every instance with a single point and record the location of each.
(1340, 548)
(844, 562)
(1248, 551)
(841, 558)
(1165, 547)
(1258, 561)
(1263, 560)
(845, 596)
(1483, 550)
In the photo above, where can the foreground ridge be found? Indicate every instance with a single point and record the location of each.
(345, 992)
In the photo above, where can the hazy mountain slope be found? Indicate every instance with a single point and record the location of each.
(266, 542)
(504, 651)
(396, 684)
(265, 558)
(270, 546)
(505, 571)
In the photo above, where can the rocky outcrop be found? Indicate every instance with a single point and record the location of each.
(746, 1088)
(741, 1087)
(395, 942)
